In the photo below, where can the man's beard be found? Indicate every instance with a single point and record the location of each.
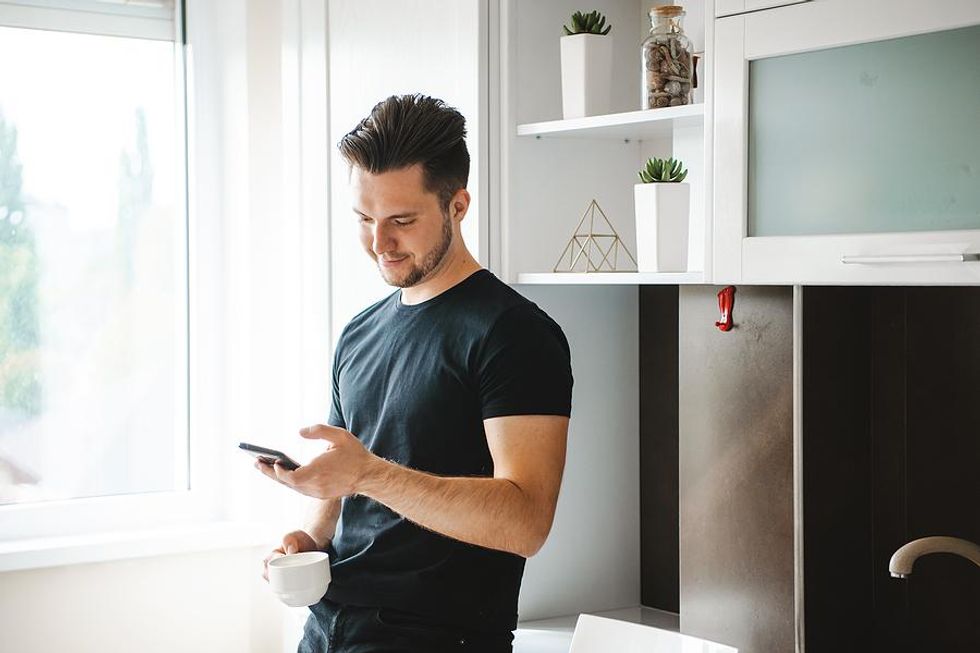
(430, 262)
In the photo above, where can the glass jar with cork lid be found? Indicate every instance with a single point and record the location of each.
(667, 74)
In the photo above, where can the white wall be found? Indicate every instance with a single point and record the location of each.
(211, 602)
(591, 561)
(379, 48)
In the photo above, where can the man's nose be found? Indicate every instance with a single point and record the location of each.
(383, 239)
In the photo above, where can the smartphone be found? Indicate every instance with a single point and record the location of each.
(269, 456)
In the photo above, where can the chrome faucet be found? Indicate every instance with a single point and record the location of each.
(901, 563)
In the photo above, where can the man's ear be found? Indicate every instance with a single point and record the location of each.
(459, 204)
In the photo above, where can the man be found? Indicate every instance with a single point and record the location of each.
(451, 398)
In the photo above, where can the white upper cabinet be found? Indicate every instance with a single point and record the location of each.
(549, 169)
(847, 143)
(732, 7)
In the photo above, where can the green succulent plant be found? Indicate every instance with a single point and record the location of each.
(590, 23)
(662, 170)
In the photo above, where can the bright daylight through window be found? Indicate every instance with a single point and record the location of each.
(93, 260)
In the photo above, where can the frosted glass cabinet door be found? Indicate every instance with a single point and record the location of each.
(870, 138)
(846, 144)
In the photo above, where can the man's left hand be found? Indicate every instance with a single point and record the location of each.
(337, 472)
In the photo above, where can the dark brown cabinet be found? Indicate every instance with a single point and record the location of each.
(888, 451)
(891, 453)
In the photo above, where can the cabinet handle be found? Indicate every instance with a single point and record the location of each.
(909, 258)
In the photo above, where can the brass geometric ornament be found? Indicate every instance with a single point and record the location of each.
(589, 250)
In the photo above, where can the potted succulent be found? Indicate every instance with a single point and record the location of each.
(662, 216)
(586, 66)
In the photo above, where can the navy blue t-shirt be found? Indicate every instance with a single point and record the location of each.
(414, 383)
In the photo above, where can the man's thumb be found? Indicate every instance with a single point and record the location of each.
(319, 432)
(290, 548)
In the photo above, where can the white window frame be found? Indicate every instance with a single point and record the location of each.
(238, 111)
(82, 530)
(150, 19)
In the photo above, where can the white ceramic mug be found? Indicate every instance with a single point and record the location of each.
(300, 579)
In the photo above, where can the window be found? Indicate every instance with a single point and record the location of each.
(93, 252)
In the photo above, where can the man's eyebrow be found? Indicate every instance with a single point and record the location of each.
(409, 214)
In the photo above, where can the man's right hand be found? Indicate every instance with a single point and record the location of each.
(295, 542)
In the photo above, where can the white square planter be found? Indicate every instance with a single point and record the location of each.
(662, 222)
(586, 75)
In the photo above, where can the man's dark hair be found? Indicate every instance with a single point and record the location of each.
(407, 129)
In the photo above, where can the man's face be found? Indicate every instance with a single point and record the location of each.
(401, 224)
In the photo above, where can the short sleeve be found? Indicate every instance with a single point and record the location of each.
(336, 409)
(525, 366)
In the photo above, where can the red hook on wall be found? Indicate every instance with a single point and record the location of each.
(726, 304)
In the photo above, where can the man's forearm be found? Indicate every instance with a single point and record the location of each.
(321, 522)
(491, 512)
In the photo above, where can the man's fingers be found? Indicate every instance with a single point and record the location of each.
(265, 563)
(294, 476)
(282, 475)
(272, 471)
(275, 472)
(272, 556)
(265, 468)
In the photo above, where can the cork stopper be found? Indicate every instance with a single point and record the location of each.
(667, 10)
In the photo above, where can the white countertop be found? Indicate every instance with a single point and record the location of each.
(628, 630)
(555, 635)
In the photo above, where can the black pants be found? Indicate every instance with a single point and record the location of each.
(335, 628)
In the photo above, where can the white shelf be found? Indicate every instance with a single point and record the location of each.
(633, 125)
(610, 278)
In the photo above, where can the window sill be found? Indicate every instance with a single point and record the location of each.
(82, 549)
